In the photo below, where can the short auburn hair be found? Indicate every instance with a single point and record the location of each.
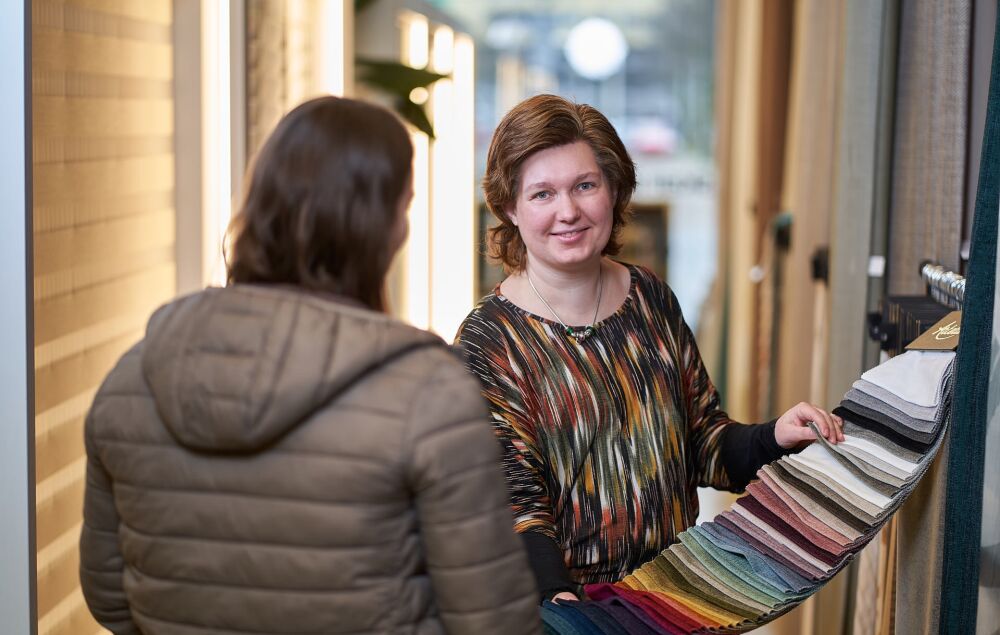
(539, 123)
(322, 197)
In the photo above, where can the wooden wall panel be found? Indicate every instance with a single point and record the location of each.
(104, 243)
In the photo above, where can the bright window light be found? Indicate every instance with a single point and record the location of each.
(331, 58)
(453, 255)
(416, 33)
(216, 134)
(416, 292)
(444, 50)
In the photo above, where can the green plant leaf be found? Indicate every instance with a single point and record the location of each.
(415, 114)
(394, 77)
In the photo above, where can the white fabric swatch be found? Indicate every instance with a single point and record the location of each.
(914, 376)
(820, 459)
(879, 452)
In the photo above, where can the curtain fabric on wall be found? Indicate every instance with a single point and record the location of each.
(925, 223)
(738, 176)
(961, 557)
(989, 574)
(808, 192)
(775, 68)
(857, 230)
(930, 139)
(862, 179)
(104, 226)
(988, 609)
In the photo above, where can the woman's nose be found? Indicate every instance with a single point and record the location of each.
(568, 210)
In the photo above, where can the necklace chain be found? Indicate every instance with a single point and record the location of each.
(579, 334)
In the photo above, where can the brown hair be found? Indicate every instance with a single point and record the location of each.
(539, 123)
(322, 201)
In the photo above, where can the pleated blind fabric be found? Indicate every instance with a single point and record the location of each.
(104, 258)
(804, 519)
(931, 133)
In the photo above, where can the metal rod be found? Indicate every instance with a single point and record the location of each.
(947, 287)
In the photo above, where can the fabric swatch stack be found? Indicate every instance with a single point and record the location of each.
(802, 521)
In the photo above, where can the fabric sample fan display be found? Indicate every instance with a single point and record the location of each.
(799, 523)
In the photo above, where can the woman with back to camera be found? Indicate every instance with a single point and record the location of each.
(607, 418)
(280, 456)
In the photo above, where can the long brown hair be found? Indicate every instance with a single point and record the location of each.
(539, 123)
(322, 201)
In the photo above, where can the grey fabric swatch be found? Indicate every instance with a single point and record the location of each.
(878, 480)
(871, 512)
(899, 426)
(927, 413)
(874, 461)
(855, 430)
(866, 400)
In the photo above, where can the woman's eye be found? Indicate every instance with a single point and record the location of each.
(541, 196)
(587, 186)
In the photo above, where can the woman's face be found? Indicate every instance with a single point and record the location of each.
(563, 207)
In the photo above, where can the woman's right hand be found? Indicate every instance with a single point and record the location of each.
(565, 595)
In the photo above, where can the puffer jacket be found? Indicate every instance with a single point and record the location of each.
(270, 461)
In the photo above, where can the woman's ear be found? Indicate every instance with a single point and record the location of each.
(511, 212)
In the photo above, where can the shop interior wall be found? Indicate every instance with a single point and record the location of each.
(104, 226)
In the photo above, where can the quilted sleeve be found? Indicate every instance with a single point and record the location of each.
(479, 572)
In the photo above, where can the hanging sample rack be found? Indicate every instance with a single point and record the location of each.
(946, 287)
(903, 318)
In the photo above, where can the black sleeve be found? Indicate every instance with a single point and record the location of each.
(546, 559)
(747, 448)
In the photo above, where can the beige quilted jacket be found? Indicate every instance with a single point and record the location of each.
(269, 461)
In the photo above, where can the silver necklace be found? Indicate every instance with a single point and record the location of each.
(582, 333)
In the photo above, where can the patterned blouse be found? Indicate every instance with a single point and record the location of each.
(604, 441)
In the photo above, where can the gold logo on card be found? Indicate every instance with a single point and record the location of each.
(943, 336)
(947, 331)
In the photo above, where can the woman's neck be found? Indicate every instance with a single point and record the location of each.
(571, 294)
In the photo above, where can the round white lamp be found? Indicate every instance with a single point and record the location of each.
(596, 48)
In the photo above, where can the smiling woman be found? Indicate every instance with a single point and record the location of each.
(607, 418)
(563, 212)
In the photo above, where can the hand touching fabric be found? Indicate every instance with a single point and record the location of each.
(565, 595)
(791, 429)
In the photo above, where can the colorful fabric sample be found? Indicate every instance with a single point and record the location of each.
(800, 523)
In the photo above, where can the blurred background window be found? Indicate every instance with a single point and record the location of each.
(646, 64)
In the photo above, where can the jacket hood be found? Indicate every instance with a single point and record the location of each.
(233, 369)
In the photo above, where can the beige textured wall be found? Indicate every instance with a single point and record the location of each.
(283, 65)
(104, 226)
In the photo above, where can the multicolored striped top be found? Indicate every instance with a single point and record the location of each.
(604, 441)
